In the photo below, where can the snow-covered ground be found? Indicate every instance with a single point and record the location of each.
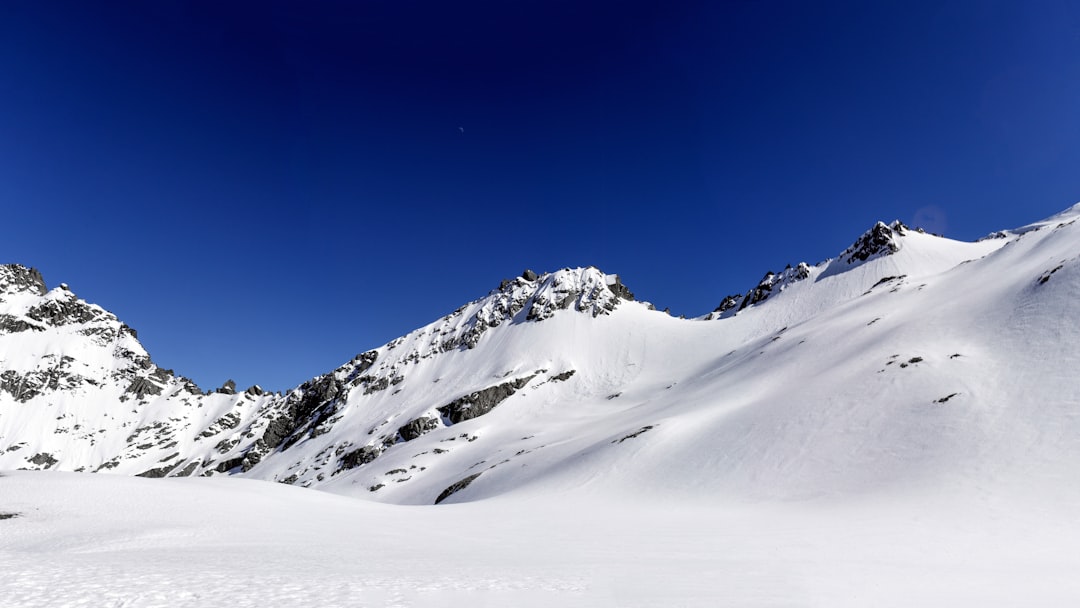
(97, 540)
(896, 426)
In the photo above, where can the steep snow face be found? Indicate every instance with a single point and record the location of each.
(908, 359)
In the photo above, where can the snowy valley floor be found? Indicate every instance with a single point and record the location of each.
(111, 541)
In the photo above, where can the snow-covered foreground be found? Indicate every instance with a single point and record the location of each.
(897, 426)
(101, 540)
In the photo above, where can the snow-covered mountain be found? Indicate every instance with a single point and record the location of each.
(909, 359)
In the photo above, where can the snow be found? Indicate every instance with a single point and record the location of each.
(233, 542)
(898, 431)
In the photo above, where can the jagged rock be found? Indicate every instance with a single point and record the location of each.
(529, 275)
(729, 302)
(188, 470)
(254, 390)
(617, 288)
(417, 427)
(43, 459)
(15, 278)
(563, 376)
(364, 361)
(376, 384)
(481, 402)
(277, 430)
(359, 457)
(774, 283)
(227, 465)
(229, 388)
(141, 387)
(12, 324)
(456, 487)
(306, 408)
(879, 240)
(158, 472)
(65, 311)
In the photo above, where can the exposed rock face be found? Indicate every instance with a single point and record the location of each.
(769, 285)
(774, 283)
(729, 303)
(15, 278)
(563, 376)
(878, 241)
(417, 427)
(359, 457)
(62, 311)
(141, 387)
(42, 459)
(615, 285)
(456, 487)
(10, 324)
(481, 402)
(158, 472)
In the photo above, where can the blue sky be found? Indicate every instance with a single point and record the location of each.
(264, 189)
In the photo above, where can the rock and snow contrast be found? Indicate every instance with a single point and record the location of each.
(898, 425)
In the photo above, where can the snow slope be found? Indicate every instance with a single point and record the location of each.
(909, 358)
(894, 426)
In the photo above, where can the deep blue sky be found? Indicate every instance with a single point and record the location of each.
(264, 189)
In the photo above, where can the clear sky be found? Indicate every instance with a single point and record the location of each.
(264, 189)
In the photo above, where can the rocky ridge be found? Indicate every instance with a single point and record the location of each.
(225, 431)
(880, 240)
(467, 401)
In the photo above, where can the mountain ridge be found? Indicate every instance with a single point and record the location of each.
(513, 382)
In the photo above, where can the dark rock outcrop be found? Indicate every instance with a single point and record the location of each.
(563, 376)
(417, 427)
(16, 278)
(359, 457)
(158, 472)
(617, 288)
(879, 240)
(64, 311)
(456, 487)
(481, 402)
(773, 283)
(10, 324)
(141, 387)
(43, 459)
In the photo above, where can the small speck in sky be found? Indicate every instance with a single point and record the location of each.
(462, 129)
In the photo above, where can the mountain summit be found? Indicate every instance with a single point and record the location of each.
(907, 359)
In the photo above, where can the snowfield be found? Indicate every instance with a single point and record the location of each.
(98, 540)
(896, 426)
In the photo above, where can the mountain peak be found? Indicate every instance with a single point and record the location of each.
(582, 289)
(880, 240)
